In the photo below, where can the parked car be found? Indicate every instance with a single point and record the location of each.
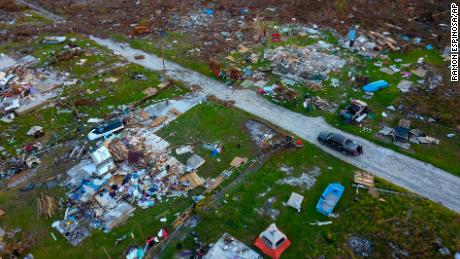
(105, 130)
(338, 142)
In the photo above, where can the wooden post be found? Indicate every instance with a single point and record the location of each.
(107, 253)
(140, 230)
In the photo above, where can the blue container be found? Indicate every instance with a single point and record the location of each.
(375, 86)
(208, 11)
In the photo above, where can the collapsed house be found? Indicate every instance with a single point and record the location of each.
(103, 194)
(130, 169)
(25, 87)
(303, 63)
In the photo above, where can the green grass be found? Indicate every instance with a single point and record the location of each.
(211, 123)
(53, 123)
(32, 17)
(176, 52)
(381, 221)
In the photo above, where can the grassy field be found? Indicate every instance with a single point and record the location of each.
(389, 219)
(176, 49)
(199, 126)
(211, 123)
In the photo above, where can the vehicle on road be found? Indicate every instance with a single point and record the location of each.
(338, 142)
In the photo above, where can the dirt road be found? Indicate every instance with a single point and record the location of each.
(40, 10)
(419, 177)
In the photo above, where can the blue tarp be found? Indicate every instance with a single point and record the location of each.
(329, 198)
(375, 86)
(208, 11)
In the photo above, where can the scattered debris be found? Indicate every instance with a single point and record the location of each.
(46, 206)
(295, 201)
(321, 223)
(361, 246)
(302, 63)
(228, 247)
(305, 181)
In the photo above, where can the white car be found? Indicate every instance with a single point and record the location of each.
(105, 130)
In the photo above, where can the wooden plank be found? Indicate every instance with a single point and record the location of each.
(158, 121)
(238, 161)
(219, 179)
(364, 178)
(193, 179)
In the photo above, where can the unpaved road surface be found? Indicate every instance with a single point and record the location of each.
(414, 175)
(40, 10)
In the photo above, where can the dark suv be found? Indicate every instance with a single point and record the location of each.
(338, 142)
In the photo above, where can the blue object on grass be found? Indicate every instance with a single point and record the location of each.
(375, 86)
(208, 11)
(329, 198)
(429, 47)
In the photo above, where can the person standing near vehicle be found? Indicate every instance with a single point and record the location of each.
(360, 150)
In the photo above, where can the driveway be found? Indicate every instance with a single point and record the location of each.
(414, 175)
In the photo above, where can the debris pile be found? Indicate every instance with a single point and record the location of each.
(46, 206)
(25, 88)
(303, 63)
(131, 169)
(361, 246)
(259, 132)
(229, 247)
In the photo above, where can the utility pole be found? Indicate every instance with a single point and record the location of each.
(162, 45)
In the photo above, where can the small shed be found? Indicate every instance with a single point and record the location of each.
(272, 242)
